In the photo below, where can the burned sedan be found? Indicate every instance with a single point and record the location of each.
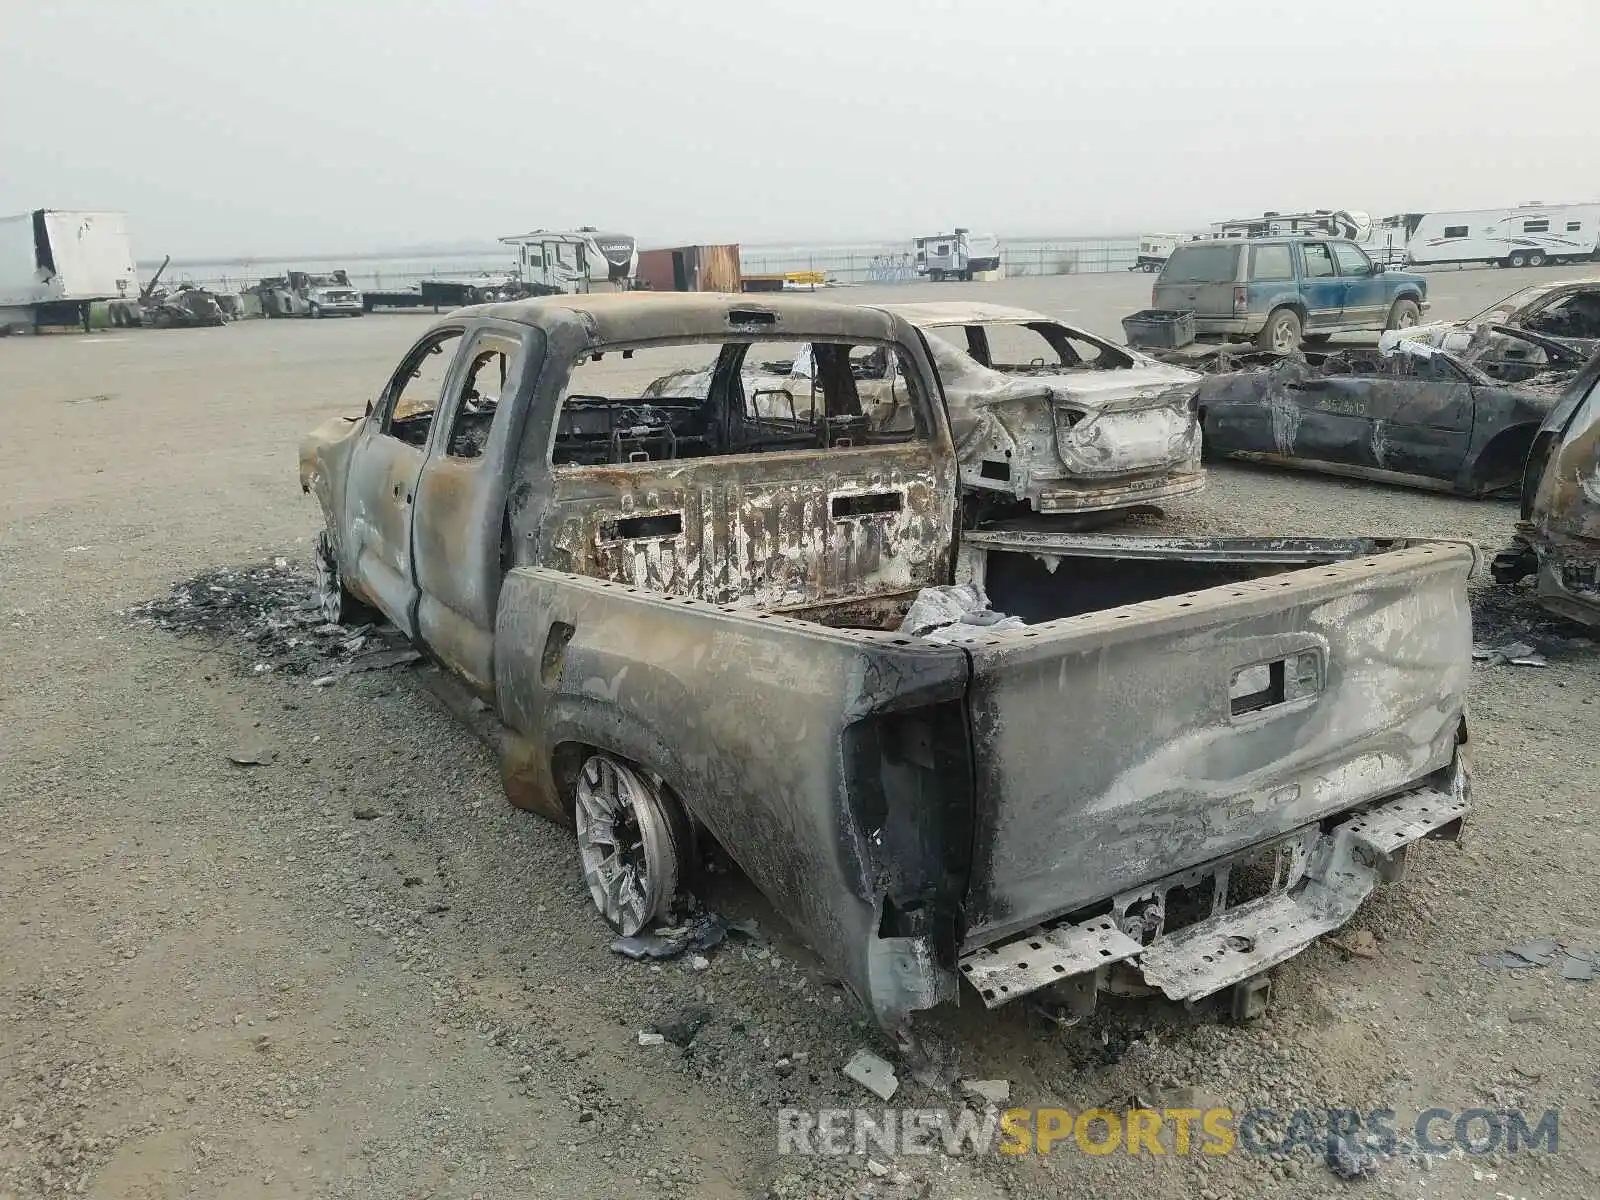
(1173, 764)
(1049, 415)
(1413, 415)
(1044, 415)
(1558, 537)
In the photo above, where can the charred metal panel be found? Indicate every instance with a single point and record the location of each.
(1561, 505)
(766, 530)
(1381, 648)
(756, 529)
(1421, 419)
(821, 759)
(459, 536)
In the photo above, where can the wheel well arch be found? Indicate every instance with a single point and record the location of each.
(1509, 447)
(567, 757)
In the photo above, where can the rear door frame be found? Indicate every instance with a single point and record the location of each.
(459, 523)
(381, 488)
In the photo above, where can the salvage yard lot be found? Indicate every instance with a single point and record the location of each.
(219, 983)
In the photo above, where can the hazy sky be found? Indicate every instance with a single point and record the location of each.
(283, 127)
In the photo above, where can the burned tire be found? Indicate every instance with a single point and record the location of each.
(1281, 334)
(633, 842)
(1403, 314)
(338, 606)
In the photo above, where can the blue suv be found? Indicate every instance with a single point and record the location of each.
(1280, 290)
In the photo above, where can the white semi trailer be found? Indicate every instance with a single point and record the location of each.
(55, 263)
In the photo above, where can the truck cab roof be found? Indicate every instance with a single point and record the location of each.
(616, 317)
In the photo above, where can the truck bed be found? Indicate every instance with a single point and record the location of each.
(1173, 705)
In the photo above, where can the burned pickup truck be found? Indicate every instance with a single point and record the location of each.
(1558, 537)
(1175, 764)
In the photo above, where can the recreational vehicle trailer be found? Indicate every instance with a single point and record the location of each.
(564, 262)
(1384, 240)
(959, 254)
(1332, 222)
(1530, 235)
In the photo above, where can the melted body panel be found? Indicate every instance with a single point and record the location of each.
(1558, 537)
(1178, 778)
(1417, 417)
(1086, 427)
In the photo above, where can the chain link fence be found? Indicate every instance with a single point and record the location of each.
(881, 263)
(893, 264)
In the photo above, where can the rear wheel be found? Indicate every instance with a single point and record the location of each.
(632, 843)
(1536, 258)
(1403, 315)
(1519, 259)
(1281, 334)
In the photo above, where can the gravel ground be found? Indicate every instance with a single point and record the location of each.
(350, 970)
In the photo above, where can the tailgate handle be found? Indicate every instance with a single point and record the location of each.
(1265, 685)
(657, 525)
(867, 504)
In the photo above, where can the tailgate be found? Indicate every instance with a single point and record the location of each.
(1120, 746)
(1202, 299)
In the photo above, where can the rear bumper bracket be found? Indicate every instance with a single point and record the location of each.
(1344, 865)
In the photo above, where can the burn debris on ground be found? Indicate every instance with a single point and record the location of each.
(704, 932)
(1349, 1158)
(1507, 628)
(1577, 962)
(268, 613)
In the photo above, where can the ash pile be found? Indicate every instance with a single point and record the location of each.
(269, 615)
(1507, 629)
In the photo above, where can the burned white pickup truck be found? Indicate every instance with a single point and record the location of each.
(1182, 763)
